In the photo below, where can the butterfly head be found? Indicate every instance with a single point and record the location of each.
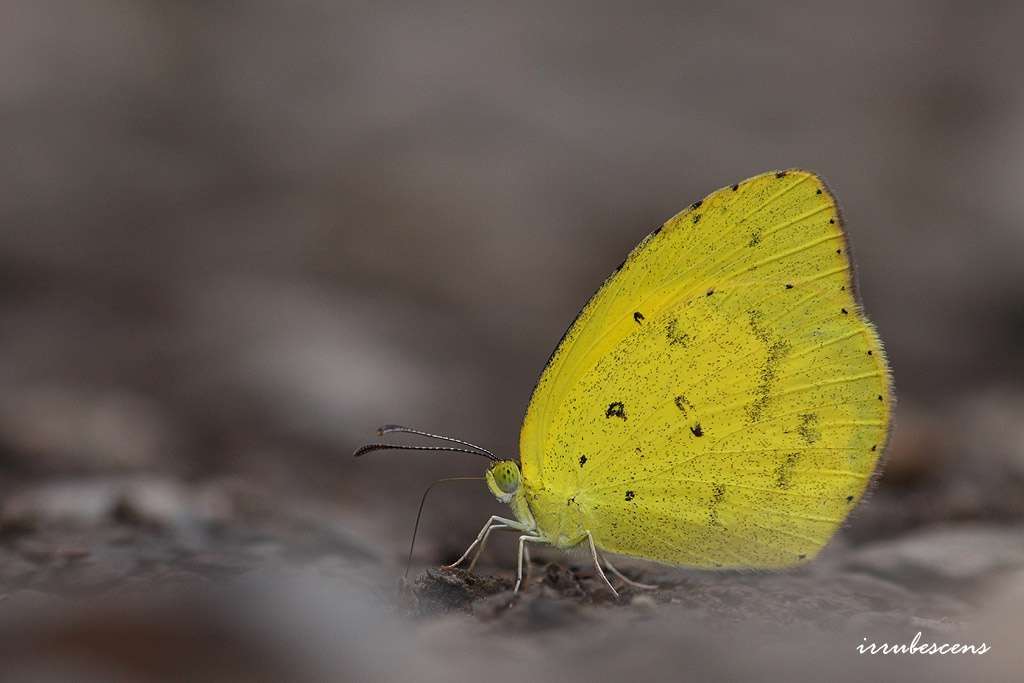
(503, 479)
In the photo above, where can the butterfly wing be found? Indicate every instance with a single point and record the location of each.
(721, 401)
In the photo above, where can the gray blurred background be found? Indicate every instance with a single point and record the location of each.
(237, 237)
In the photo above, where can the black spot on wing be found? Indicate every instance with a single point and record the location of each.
(780, 174)
(638, 317)
(697, 204)
(683, 404)
(616, 409)
(630, 495)
(697, 430)
(696, 218)
(735, 187)
(789, 286)
(583, 460)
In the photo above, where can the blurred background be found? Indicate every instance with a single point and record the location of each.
(236, 238)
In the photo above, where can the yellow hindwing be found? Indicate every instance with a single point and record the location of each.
(721, 401)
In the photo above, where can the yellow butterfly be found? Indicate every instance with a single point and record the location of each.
(720, 402)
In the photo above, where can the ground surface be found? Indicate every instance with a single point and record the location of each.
(148, 577)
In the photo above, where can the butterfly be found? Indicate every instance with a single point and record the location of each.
(721, 401)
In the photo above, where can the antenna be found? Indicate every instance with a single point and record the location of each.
(389, 429)
(470, 448)
(370, 447)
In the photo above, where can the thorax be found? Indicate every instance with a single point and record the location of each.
(555, 514)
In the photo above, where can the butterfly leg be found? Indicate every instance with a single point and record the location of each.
(597, 564)
(523, 540)
(483, 542)
(493, 520)
(625, 579)
(529, 563)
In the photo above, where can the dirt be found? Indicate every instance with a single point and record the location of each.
(140, 581)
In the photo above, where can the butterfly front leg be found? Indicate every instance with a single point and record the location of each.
(523, 540)
(483, 544)
(494, 520)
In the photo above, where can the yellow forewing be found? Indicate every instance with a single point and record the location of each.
(721, 400)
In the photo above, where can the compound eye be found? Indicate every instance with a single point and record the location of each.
(506, 477)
